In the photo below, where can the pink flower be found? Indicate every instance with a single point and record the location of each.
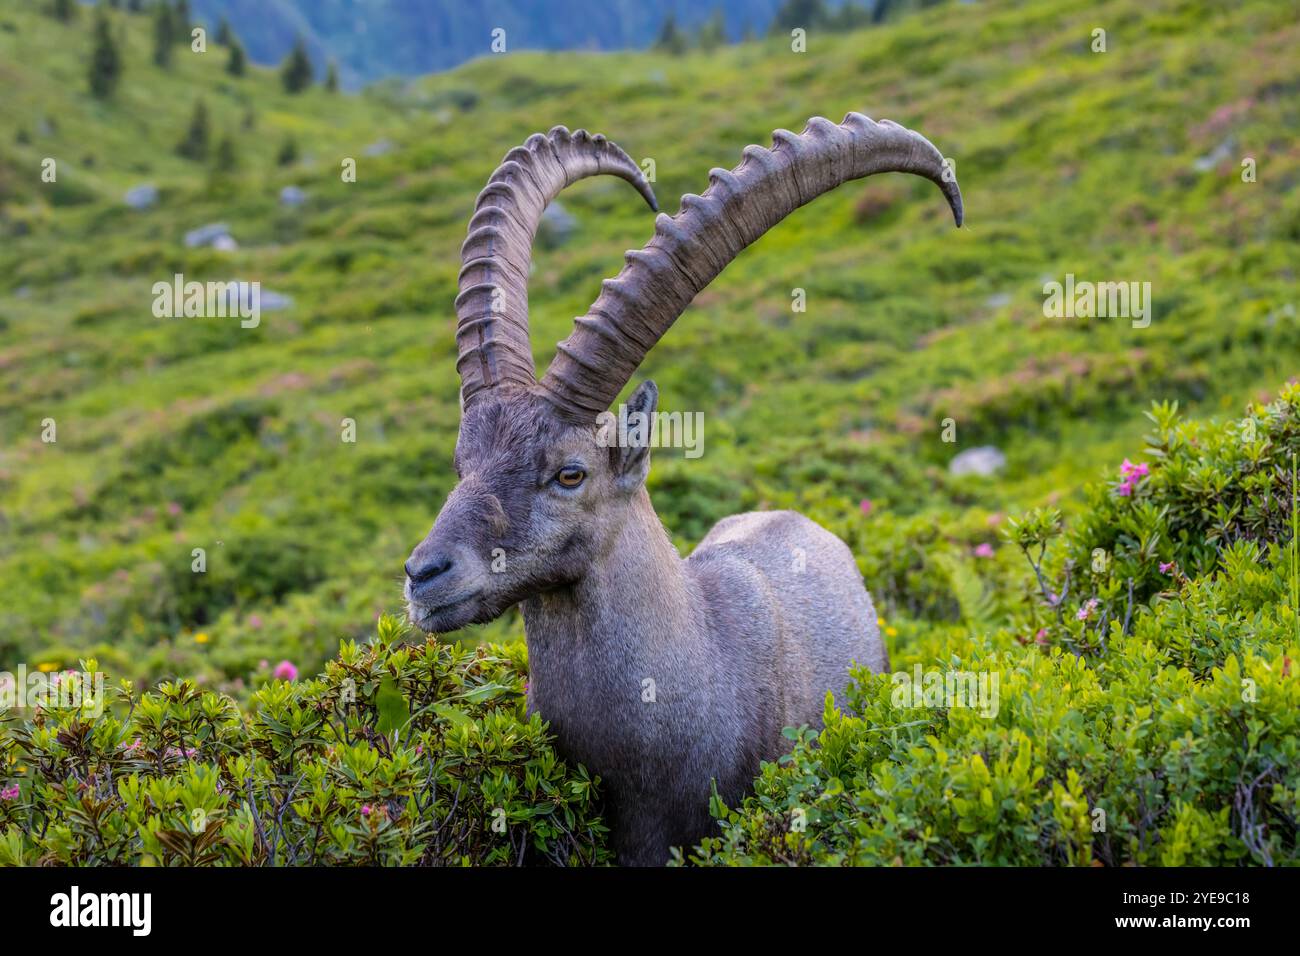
(866, 506)
(9, 793)
(254, 621)
(995, 519)
(1085, 612)
(1130, 470)
(173, 508)
(365, 810)
(285, 671)
(983, 550)
(1041, 636)
(1125, 488)
(1166, 567)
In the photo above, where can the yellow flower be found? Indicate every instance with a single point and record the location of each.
(891, 631)
(880, 621)
(201, 637)
(47, 667)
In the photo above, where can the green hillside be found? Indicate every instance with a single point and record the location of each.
(176, 434)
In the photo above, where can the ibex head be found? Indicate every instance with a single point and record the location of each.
(539, 497)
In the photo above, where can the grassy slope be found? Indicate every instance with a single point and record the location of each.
(175, 434)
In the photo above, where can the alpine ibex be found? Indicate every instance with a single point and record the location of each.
(658, 673)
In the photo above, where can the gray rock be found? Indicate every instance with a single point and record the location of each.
(206, 235)
(381, 148)
(557, 225)
(274, 301)
(144, 196)
(225, 244)
(984, 460)
(292, 196)
(240, 291)
(1215, 156)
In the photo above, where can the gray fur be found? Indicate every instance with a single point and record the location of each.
(740, 640)
(662, 675)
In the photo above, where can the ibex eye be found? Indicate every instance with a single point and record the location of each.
(571, 477)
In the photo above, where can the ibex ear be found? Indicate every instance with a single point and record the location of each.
(630, 458)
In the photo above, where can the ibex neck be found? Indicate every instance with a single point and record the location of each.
(635, 599)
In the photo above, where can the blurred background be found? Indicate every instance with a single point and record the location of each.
(1118, 163)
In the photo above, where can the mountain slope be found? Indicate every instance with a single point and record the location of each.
(177, 434)
(377, 38)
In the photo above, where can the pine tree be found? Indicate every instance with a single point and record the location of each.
(105, 62)
(671, 39)
(714, 31)
(296, 71)
(332, 78)
(63, 10)
(288, 154)
(181, 22)
(195, 144)
(235, 65)
(134, 6)
(802, 14)
(226, 160)
(223, 32)
(163, 34)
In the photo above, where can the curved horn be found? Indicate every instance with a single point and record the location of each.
(492, 307)
(688, 250)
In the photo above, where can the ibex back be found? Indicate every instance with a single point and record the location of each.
(662, 675)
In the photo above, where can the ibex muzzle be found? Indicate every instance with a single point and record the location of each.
(663, 675)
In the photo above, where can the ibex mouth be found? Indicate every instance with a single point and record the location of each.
(444, 617)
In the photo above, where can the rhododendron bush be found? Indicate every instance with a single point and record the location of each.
(395, 755)
(1148, 705)
(1144, 655)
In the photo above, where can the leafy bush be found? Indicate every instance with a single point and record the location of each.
(1158, 723)
(395, 755)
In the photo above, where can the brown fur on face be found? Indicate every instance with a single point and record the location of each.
(738, 641)
(509, 530)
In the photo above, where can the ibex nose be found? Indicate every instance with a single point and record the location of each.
(421, 571)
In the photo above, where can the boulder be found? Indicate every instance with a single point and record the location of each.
(984, 460)
(144, 196)
(206, 235)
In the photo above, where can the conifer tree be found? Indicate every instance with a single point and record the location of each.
(296, 71)
(163, 34)
(235, 64)
(63, 10)
(227, 161)
(105, 62)
(671, 40)
(181, 22)
(288, 154)
(194, 145)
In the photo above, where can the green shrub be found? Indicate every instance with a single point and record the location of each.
(1156, 723)
(396, 755)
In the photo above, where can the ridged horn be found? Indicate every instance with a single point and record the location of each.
(492, 304)
(689, 249)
